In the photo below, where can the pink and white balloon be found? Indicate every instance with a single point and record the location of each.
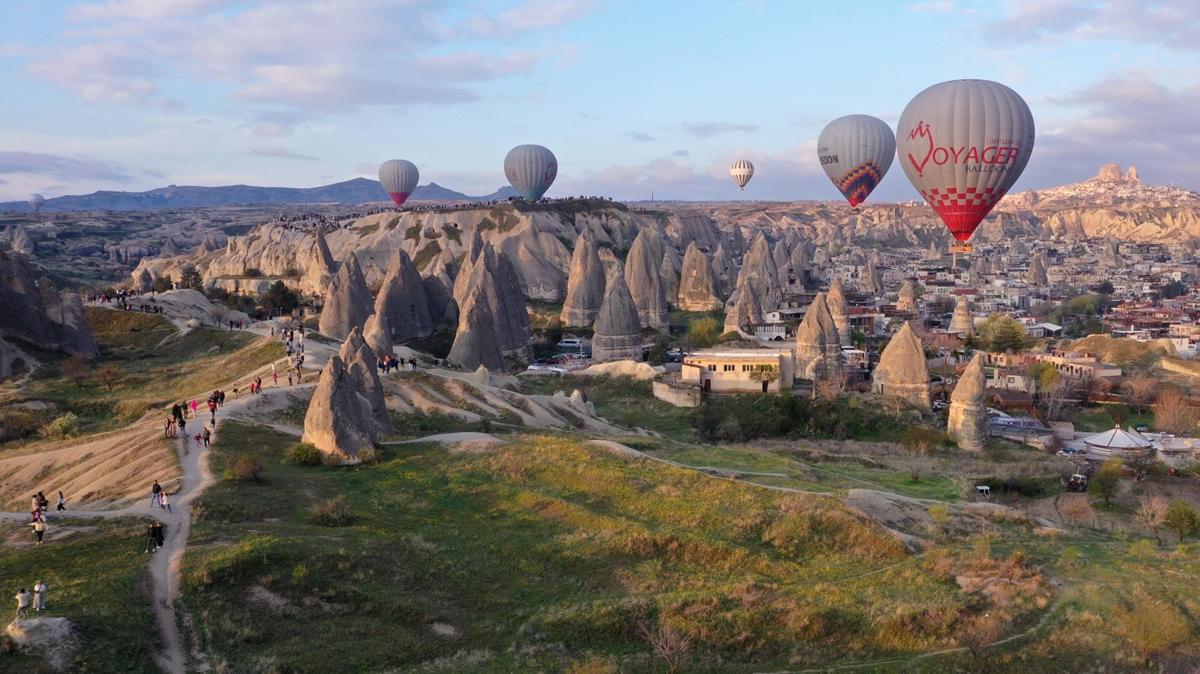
(399, 178)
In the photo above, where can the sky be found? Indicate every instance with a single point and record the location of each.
(635, 98)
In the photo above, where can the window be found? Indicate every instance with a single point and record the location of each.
(747, 368)
(712, 368)
(727, 368)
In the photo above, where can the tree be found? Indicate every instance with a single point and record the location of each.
(75, 368)
(1106, 480)
(1174, 413)
(1182, 519)
(1045, 374)
(670, 645)
(764, 373)
(279, 298)
(916, 458)
(162, 284)
(1104, 288)
(703, 332)
(189, 277)
(1152, 626)
(1140, 389)
(1152, 513)
(1172, 290)
(108, 376)
(1003, 333)
(1075, 509)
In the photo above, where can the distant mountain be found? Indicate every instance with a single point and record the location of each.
(1110, 187)
(356, 191)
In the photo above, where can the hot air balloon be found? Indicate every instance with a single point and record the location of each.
(531, 170)
(36, 201)
(398, 178)
(963, 144)
(856, 152)
(742, 171)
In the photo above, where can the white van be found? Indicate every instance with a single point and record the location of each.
(570, 344)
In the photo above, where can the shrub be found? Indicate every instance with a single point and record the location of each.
(64, 426)
(332, 512)
(245, 468)
(304, 454)
(252, 272)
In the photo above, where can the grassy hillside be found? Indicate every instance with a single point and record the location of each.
(543, 553)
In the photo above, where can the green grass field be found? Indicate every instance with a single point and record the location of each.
(624, 401)
(96, 579)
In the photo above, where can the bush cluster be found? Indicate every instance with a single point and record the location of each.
(751, 416)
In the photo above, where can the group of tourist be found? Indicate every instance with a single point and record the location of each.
(155, 537)
(39, 504)
(36, 599)
(388, 362)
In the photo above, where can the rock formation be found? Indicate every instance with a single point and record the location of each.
(672, 267)
(338, 421)
(743, 310)
(402, 297)
(585, 283)
(378, 334)
(759, 270)
(781, 256)
(870, 281)
(697, 292)
(145, 282)
(963, 323)
(644, 279)
(359, 361)
(968, 422)
(348, 302)
(800, 264)
(902, 372)
(1037, 272)
(77, 337)
(21, 241)
(906, 303)
(442, 308)
(34, 313)
(723, 272)
(840, 310)
(317, 265)
(617, 331)
(818, 347)
(492, 322)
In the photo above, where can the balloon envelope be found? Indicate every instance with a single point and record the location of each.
(963, 144)
(531, 170)
(856, 152)
(36, 201)
(741, 171)
(398, 178)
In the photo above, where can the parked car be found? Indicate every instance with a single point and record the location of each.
(570, 344)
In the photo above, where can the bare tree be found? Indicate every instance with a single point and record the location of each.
(670, 645)
(916, 459)
(1075, 509)
(108, 376)
(1152, 513)
(1174, 413)
(980, 633)
(1140, 389)
(76, 369)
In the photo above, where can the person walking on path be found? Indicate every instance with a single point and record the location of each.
(151, 539)
(39, 596)
(258, 384)
(22, 603)
(155, 490)
(193, 408)
(62, 501)
(159, 534)
(39, 530)
(208, 435)
(164, 502)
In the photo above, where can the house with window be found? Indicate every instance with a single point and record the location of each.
(739, 370)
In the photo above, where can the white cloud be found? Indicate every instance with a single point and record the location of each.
(1172, 24)
(279, 152)
(710, 129)
(138, 9)
(59, 167)
(529, 15)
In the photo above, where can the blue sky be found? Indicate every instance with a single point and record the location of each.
(633, 97)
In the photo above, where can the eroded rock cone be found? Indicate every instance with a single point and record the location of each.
(585, 283)
(617, 332)
(963, 323)
(870, 282)
(348, 302)
(145, 282)
(800, 264)
(78, 339)
(743, 311)
(818, 347)
(840, 310)
(402, 297)
(902, 372)
(672, 267)
(782, 256)
(492, 317)
(338, 420)
(907, 301)
(968, 421)
(360, 362)
(697, 291)
(476, 343)
(1037, 272)
(378, 334)
(723, 273)
(644, 279)
(759, 270)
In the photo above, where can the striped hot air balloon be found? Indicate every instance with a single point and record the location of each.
(742, 171)
(399, 179)
(531, 170)
(856, 152)
(963, 144)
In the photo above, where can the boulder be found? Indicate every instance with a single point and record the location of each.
(617, 332)
(360, 362)
(743, 311)
(840, 310)
(402, 297)
(968, 420)
(348, 302)
(902, 372)
(963, 322)
(697, 290)
(818, 347)
(585, 283)
(338, 420)
(644, 279)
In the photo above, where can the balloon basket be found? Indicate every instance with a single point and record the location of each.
(964, 248)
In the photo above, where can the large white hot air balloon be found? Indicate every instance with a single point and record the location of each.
(856, 151)
(531, 170)
(963, 144)
(742, 171)
(399, 178)
(36, 201)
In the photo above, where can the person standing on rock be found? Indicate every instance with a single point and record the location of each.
(39, 596)
(22, 603)
(155, 490)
